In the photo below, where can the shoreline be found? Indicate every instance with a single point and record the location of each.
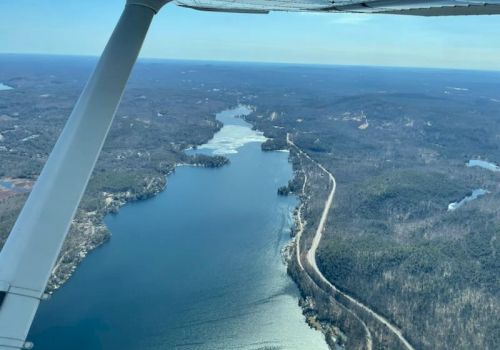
(310, 291)
(95, 232)
(319, 297)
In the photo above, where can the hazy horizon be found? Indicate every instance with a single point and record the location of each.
(466, 42)
(216, 61)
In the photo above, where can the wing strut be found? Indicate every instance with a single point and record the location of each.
(33, 245)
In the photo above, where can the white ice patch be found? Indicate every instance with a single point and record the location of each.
(5, 87)
(232, 137)
(457, 88)
(483, 164)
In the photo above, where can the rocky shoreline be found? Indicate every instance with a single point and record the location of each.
(88, 230)
(313, 300)
(318, 307)
(323, 309)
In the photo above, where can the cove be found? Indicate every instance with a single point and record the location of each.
(198, 266)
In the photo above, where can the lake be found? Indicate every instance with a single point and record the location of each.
(199, 266)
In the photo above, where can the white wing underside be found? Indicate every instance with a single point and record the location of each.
(400, 7)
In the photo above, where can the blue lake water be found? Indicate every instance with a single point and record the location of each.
(198, 266)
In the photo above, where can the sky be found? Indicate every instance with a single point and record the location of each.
(82, 27)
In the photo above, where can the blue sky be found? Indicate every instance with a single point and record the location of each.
(82, 27)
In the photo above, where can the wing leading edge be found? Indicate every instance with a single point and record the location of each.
(398, 7)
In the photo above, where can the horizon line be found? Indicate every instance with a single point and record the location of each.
(311, 64)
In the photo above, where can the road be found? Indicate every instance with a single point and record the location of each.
(311, 255)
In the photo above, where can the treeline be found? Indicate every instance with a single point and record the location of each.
(208, 161)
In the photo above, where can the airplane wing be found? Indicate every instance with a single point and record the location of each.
(397, 7)
(30, 253)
